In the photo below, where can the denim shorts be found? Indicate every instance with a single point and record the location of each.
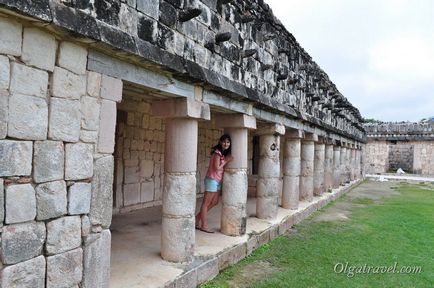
(212, 185)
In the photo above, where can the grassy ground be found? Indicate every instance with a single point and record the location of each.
(375, 225)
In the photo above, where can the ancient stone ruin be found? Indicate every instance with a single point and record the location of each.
(409, 146)
(109, 107)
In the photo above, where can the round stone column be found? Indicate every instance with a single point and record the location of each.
(348, 164)
(336, 166)
(180, 164)
(318, 171)
(234, 198)
(268, 183)
(328, 167)
(343, 165)
(291, 170)
(353, 165)
(307, 166)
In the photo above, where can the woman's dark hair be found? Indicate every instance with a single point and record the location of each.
(219, 146)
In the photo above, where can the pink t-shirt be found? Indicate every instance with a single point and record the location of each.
(212, 172)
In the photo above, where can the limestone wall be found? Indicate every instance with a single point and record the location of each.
(376, 157)
(238, 47)
(423, 161)
(56, 168)
(401, 155)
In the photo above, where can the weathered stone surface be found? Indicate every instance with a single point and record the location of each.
(21, 242)
(336, 166)
(28, 274)
(96, 269)
(10, 33)
(111, 88)
(207, 271)
(147, 191)
(232, 255)
(188, 279)
(107, 127)
(4, 72)
(2, 202)
(79, 198)
(39, 49)
(78, 161)
(85, 226)
(63, 234)
(72, 57)
(88, 136)
(65, 119)
(90, 108)
(20, 203)
(102, 192)
(20, 84)
(67, 84)
(4, 113)
(28, 117)
(51, 200)
(318, 172)
(65, 270)
(179, 194)
(15, 158)
(48, 161)
(149, 7)
(93, 83)
(177, 238)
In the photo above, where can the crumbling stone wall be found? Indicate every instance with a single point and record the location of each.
(401, 156)
(56, 167)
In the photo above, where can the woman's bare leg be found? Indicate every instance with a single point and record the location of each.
(201, 216)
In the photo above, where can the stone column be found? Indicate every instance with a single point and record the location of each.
(268, 171)
(291, 169)
(179, 193)
(318, 171)
(328, 167)
(348, 164)
(353, 165)
(307, 166)
(336, 166)
(343, 165)
(234, 214)
(362, 160)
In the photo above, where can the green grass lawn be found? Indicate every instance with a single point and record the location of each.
(395, 230)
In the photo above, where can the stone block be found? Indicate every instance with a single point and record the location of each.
(11, 33)
(30, 273)
(78, 161)
(146, 169)
(79, 198)
(48, 161)
(96, 260)
(15, 158)
(90, 108)
(131, 194)
(235, 121)
(132, 174)
(4, 113)
(107, 127)
(85, 226)
(93, 84)
(51, 200)
(65, 270)
(149, 7)
(180, 107)
(102, 192)
(66, 84)
(28, 117)
(20, 203)
(20, 84)
(39, 49)
(207, 270)
(21, 242)
(111, 88)
(2, 202)
(65, 119)
(177, 238)
(63, 234)
(232, 255)
(147, 191)
(88, 136)
(187, 280)
(72, 57)
(5, 71)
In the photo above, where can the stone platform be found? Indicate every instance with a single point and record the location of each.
(135, 258)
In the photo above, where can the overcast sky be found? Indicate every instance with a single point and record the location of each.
(379, 53)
